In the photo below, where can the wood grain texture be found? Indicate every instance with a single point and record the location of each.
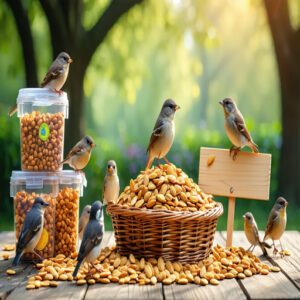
(246, 177)
(272, 286)
(230, 221)
(289, 264)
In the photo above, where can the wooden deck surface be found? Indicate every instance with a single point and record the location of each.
(283, 285)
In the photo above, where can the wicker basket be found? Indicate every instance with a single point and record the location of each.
(177, 236)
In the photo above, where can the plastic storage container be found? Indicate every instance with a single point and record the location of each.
(62, 191)
(42, 115)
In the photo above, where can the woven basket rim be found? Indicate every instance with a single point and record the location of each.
(116, 209)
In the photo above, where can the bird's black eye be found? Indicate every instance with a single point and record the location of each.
(281, 202)
(114, 167)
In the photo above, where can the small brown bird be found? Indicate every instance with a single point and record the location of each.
(163, 133)
(277, 223)
(80, 154)
(111, 186)
(236, 129)
(55, 77)
(84, 219)
(252, 234)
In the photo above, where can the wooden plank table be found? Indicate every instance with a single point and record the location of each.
(283, 285)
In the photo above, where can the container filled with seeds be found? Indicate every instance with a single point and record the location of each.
(42, 114)
(67, 212)
(164, 213)
(61, 190)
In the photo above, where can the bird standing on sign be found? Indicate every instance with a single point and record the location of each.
(277, 223)
(56, 75)
(92, 237)
(84, 218)
(236, 129)
(251, 232)
(163, 133)
(111, 186)
(31, 230)
(80, 154)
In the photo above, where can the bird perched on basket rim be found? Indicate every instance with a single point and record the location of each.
(56, 75)
(236, 129)
(80, 154)
(111, 186)
(162, 137)
(83, 220)
(92, 237)
(277, 223)
(31, 230)
(252, 234)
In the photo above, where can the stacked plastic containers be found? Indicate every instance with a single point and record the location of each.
(42, 116)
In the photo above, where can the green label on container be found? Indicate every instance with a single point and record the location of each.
(44, 132)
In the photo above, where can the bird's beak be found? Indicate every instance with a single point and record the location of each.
(46, 204)
(286, 204)
(221, 103)
(70, 60)
(244, 216)
(93, 145)
(177, 107)
(110, 169)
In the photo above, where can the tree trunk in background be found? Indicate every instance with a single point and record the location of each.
(24, 31)
(287, 49)
(68, 34)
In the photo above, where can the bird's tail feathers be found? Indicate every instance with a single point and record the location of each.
(77, 268)
(12, 111)
(254, 147)
(263, 246)
(63, 162)
(17, 259)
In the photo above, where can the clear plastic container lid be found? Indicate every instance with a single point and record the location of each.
(45, 182)
(30, 99)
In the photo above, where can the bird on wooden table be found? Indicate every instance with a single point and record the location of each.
(31, 230)
(56, 75)
(92, 237)
(80, 154)
(236, 129)
(277, 223)
(252, 234)
(84, 218)
(163, 133)
(111, 187)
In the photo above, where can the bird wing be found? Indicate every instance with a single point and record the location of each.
(103, 189)
(92, 237)
(255, 231)
(156, 133)
(31, 225)
(79, 148)
(273, 218)
(81, 223)
(55, 71)
(241, 126)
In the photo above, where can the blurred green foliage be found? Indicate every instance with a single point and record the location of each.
(196, 52)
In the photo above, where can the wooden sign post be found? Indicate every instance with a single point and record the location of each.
(248, 176)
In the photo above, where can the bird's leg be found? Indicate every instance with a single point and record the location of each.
(98, 269)
(282, 251)
(250, 248)
(235, 151)
(166, 160)
(275, 251)
(39, 256)
(253, 248)
(58, 91)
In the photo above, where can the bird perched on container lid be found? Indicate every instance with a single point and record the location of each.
(56, 75)
(80, 154)
(31, 230)
(235, 128)
(162, 137)
(92, 237)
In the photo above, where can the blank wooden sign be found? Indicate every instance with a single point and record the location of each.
(248, 176)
